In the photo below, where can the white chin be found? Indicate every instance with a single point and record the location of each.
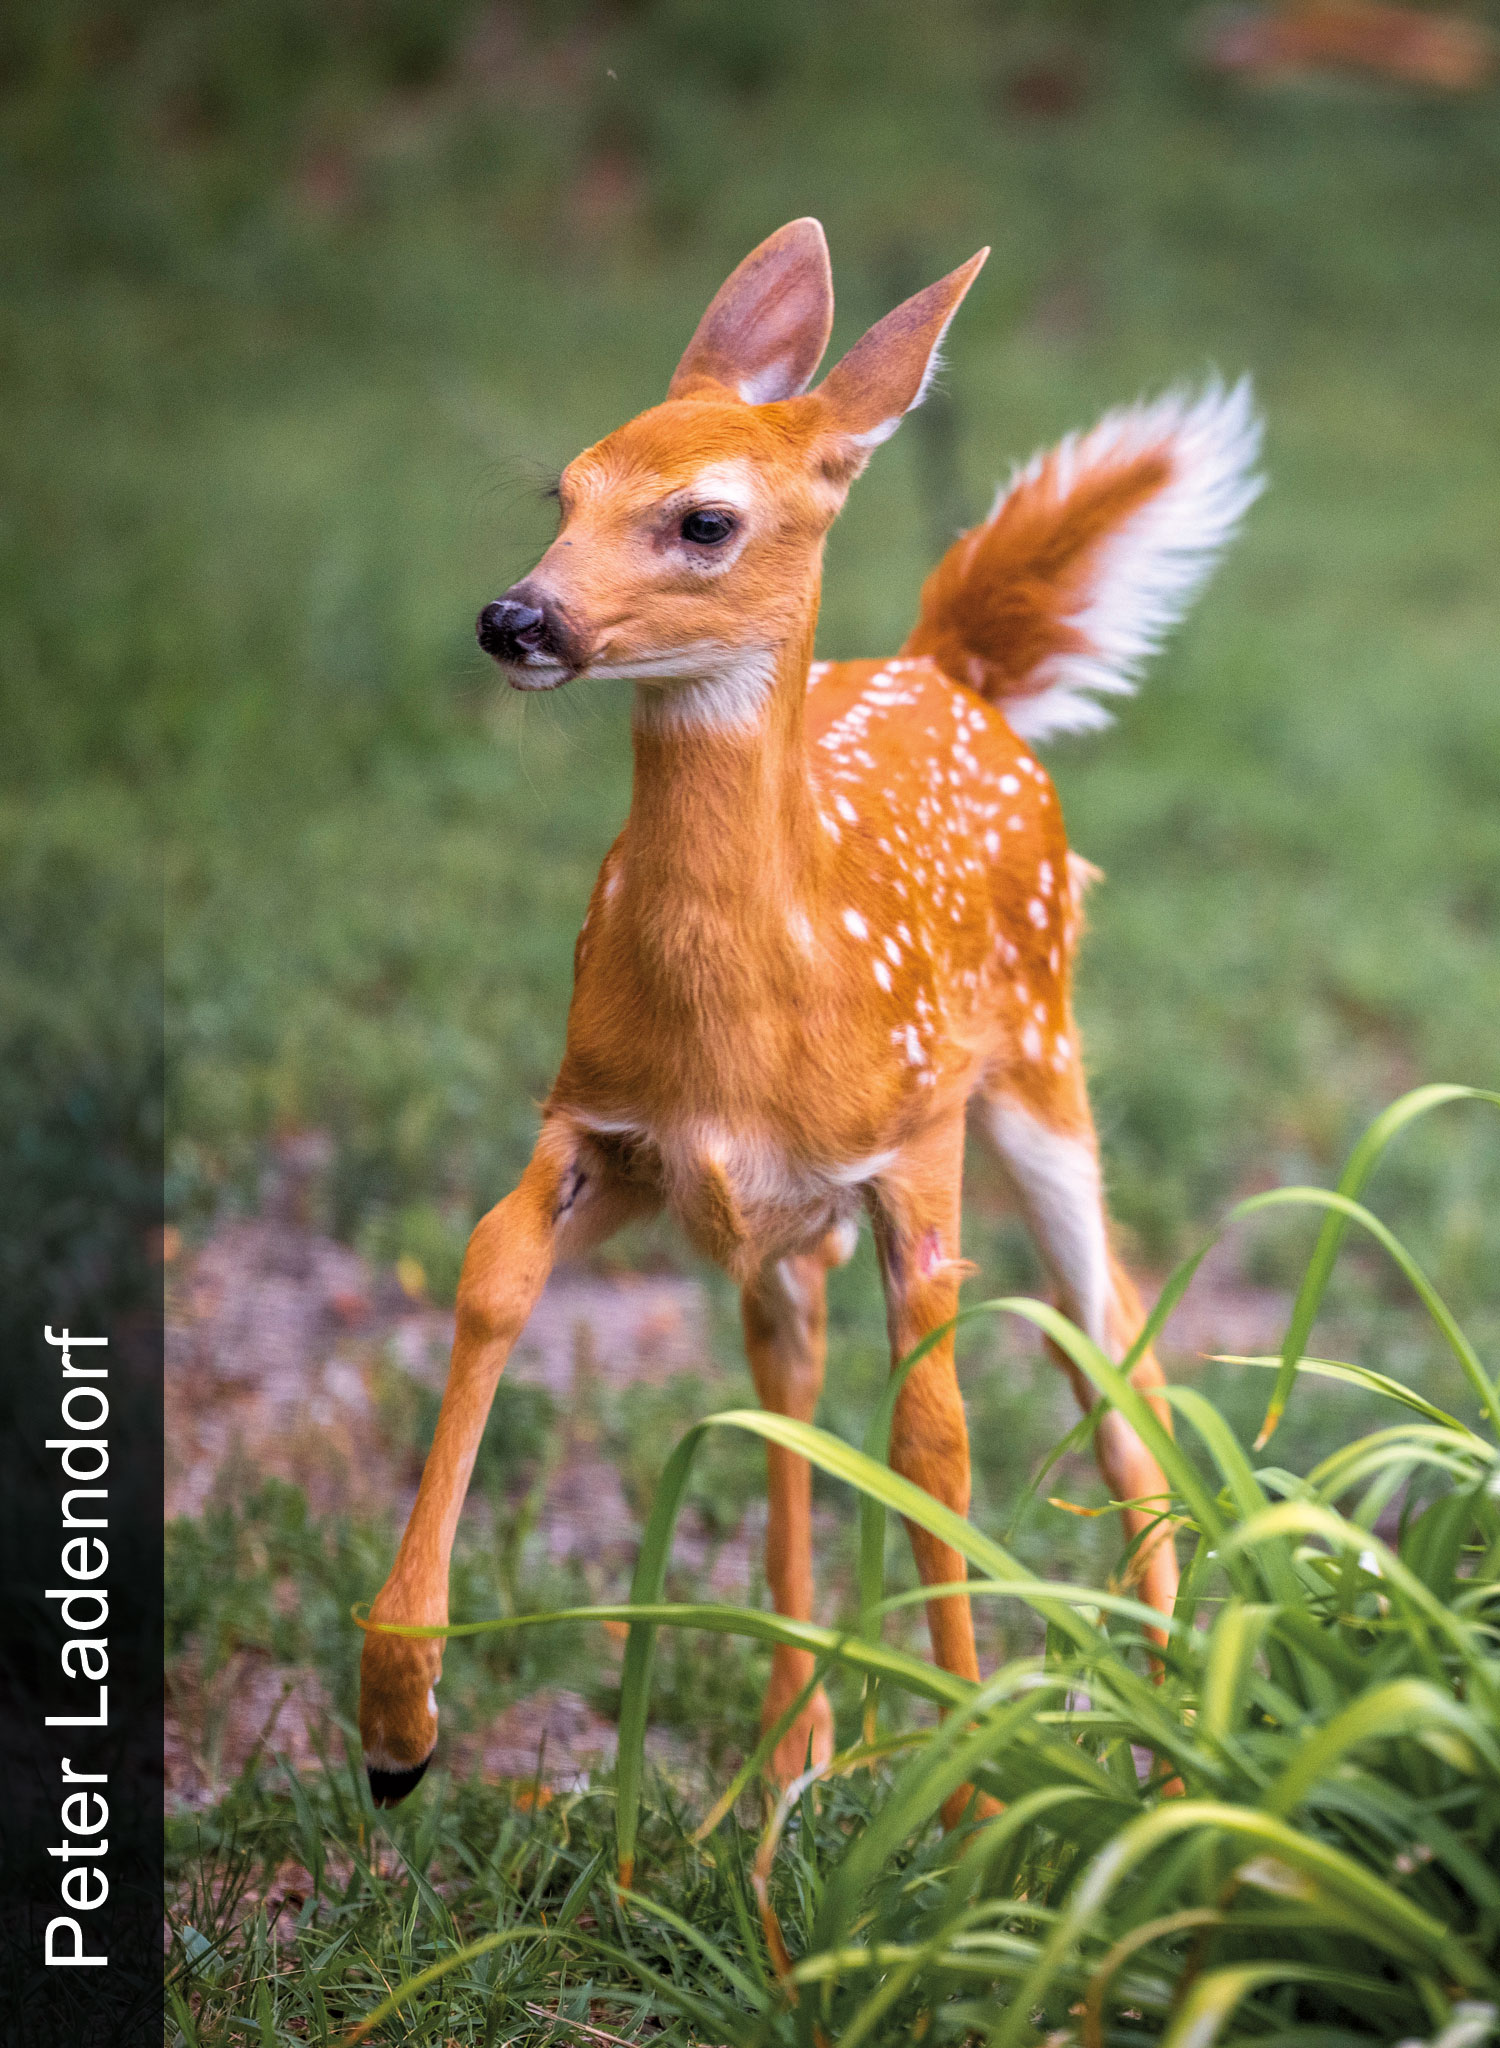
(536, 678)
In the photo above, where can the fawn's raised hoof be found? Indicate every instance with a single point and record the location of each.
(398, 1714)
(389, 1788)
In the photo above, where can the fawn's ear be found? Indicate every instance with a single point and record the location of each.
(765, 332)
(887, 372)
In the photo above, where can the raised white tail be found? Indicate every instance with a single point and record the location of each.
(1091, 553)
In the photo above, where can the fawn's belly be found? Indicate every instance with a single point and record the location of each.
(741, 1196)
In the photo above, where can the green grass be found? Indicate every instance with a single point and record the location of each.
(1289, 1835)
(302, 304)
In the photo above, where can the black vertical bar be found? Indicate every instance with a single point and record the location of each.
(81, 1191)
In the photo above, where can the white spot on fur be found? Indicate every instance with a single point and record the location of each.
(840, 1242)
(858, 1171)
(854, 923)
(883, 975)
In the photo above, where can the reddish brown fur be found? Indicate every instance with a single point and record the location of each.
(842, 911)
(999, 605)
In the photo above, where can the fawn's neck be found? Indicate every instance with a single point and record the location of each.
(723, 837)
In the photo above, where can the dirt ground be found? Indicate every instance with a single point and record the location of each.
(277, 1337)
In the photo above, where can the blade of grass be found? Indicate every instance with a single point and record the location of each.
(829, 1454)
(1361, 1164)
(756, 1761)
(1407, 1706)
(1031, 1590)
(1352, 1375)
(721, 1619)
(752, 1995)
(945, 1762)
(1233, 1641)
(410, 1986)
(1213, 1998)
(1389, 1916)
(1182, 1922)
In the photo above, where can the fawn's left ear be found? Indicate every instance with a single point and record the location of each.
(867, 394)
(768, 324)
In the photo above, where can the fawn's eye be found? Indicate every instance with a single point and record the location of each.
(707, 529)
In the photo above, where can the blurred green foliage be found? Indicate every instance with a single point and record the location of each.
(304, 301)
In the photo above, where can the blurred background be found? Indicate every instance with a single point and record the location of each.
(305, 303)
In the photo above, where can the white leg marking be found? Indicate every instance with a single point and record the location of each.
(838, 1246)
(1057, 1180)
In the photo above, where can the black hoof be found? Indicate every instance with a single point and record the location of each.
(389, 1788)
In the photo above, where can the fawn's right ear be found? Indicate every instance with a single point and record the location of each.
(765, 332)
(868, 392)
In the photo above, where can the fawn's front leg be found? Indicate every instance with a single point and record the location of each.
(568, 1199)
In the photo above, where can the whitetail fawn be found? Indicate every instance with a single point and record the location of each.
(840, 915)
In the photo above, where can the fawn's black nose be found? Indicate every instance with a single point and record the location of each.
(510, 630)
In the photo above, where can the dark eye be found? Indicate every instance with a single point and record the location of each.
(707, 529)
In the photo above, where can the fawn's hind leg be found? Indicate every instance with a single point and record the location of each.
(785, 1321)
(916, 1217)
(916, 1212)
(1051, 1157)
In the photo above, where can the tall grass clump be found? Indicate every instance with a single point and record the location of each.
(1279, 1823)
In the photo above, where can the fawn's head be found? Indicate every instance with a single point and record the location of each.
(691, 539)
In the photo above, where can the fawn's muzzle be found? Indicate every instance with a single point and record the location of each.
(528, 629)
(510, 629)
